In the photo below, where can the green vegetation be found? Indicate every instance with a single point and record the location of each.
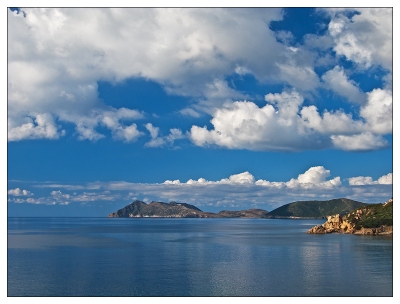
(316, 209)
(372, 216)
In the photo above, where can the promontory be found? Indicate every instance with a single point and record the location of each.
(371, 219)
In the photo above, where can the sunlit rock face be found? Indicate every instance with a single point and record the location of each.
(334, 223)
(354, 221)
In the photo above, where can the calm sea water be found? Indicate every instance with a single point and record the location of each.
(192, 257)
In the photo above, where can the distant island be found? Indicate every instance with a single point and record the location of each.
(372, 219)
(139, 209)
(302, 209)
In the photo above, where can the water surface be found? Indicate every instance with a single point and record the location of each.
(192, 257)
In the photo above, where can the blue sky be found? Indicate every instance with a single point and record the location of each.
(220, 108)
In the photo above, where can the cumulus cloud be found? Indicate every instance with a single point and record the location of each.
(240, 190)
(337, 81)
(35, 126)
(359, 142)
(378, 111)
(110, 118)
(55, 62)
(55, 59)
(157, 141)
(315, 177)
(19, 192)
(285, 124)
(386, 179)
(367, 180)
(241, 178)
(365, 38)
(334, 122)
(244, 125)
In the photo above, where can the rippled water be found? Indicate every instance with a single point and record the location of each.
(192, 257)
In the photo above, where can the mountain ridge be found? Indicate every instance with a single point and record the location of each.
(139, 209)
(315, 208)
(298, 209)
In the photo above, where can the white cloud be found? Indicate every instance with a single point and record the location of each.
(337, 81)
(110, 118)
(360, 180)
(19, 192)
(314, 175)
(57, 55)
(93, 196)
(189, 112)
(359, 142)
(238, 190)
(243, 125)
(337, 122)
(58, 197)
(175, 134)
(128, 133)
(313, 178)
(284, 124)
(287, 103)
(36, 126)
(16, 200)
(300, 77)
(157, 141)
(378, 111)
(365, 38)
(153, 130)
(386, 179)
(241, 178)
(367, 180)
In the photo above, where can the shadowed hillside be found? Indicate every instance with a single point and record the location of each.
(315, 209)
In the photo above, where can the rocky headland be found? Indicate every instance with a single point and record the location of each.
(376, 219)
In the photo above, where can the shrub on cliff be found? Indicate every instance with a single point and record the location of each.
(372, 216)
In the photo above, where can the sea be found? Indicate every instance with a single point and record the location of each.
(177, 257)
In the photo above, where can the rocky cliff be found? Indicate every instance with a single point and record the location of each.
(373, 219)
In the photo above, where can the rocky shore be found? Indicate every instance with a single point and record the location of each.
(366, 221)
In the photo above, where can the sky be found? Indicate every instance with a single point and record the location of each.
(222, 108)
